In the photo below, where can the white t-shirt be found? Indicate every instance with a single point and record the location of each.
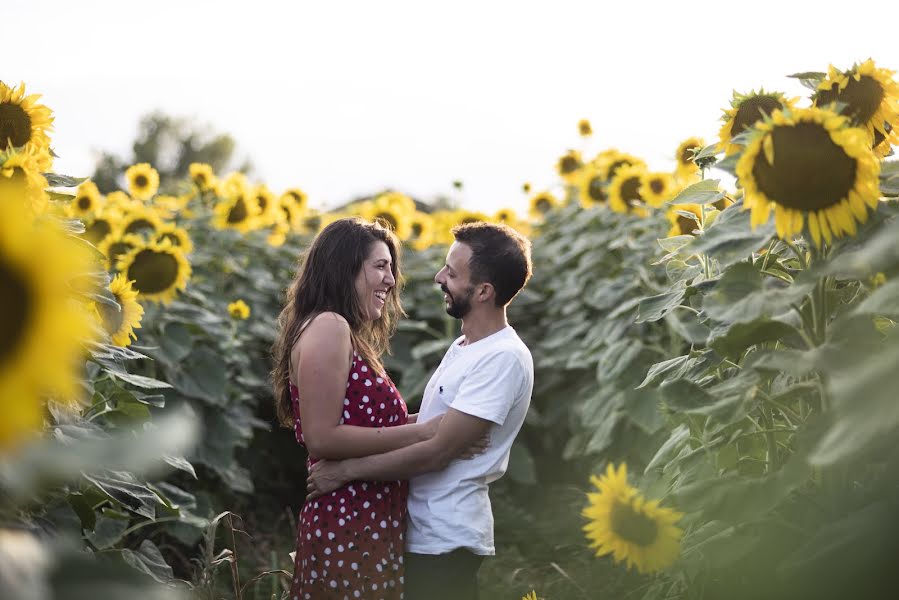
(492, 379)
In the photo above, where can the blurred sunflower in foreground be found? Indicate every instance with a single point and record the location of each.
(43, 326)
(681, 224)
(809, 164)
(871, 100)
(745, 111)
(628, 526)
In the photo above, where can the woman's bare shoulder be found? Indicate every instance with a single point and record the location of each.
(328, 328)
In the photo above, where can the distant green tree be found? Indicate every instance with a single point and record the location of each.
(170, 144)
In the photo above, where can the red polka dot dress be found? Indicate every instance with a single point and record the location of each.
(350, 542)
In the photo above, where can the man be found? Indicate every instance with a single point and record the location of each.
(483, 388)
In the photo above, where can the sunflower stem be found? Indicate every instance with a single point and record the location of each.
(770, 439)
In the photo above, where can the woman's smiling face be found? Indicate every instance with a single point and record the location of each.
(375, 280)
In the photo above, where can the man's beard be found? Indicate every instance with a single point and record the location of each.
(461, 307)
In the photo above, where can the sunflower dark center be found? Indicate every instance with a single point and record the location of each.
(201, 179)
(117, 249)
(263, 202)
(15, 125)
(388, 218)
(810, 171)
(617, 165)
(416, 229)
(312, 222)
(862, 98)
(596, 191)
(96, 231)
(751, 110)
(153, 272)
(16, 303)
(632, 526)
(238, 212)
(685, 224)
(141, 181)
(84, 202)
(630, 190)
(112, 318)
(543, 205)
(686, 157)
(138, 225)
(569, 164)
(657, 186)
(465, 220)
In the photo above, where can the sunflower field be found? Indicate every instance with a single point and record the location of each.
(714, 413)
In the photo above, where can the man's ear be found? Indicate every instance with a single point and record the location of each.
(486, 292)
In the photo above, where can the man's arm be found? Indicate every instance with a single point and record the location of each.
(456, 433)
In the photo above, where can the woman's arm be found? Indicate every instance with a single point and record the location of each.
(322, 366)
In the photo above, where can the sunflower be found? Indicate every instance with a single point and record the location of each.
(657, 188)
(530, 596)
(203, 176)
(122, 202)
(583, 127)
(389, 212)
(42, 327)
(238, 211)
(268, 207)
(505, 215)
(680, 224)
(116, 244)
(239, 310)
(810, 162)
(24, 124)
(871, 99)
(526, 187)
(233, 184)
(628, 526)
(541, 203)
(397, 201)
(103, 224)
(421, 231)
(157, 271)
(142, 220)
(462, 217)
(167, 206)
(745, 111)
(569, 164)
(624, 190)
(278, 234)
(21, 179)
(609, 161)
(177, 235)
(687, 171)
(291, 212)
(120, 324)
(143, 181)
(591, 187)
(311, 222)
(87, 201)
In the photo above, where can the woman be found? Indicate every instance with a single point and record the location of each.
(341, 310)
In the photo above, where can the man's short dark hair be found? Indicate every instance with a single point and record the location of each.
(500, 256)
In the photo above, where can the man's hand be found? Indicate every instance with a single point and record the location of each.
(477, 448)
(325, 476)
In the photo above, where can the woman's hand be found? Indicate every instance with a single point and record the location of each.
(477, 448)
(412, 419)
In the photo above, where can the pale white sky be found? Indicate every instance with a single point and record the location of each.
(344, 98)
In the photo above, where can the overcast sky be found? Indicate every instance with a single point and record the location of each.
(347, 98)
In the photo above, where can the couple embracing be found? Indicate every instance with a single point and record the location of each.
(397, 505)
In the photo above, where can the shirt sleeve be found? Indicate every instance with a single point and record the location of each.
(491, 388)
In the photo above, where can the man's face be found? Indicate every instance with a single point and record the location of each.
(455, 281)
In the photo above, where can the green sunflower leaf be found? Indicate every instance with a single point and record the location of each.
(703, 192)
